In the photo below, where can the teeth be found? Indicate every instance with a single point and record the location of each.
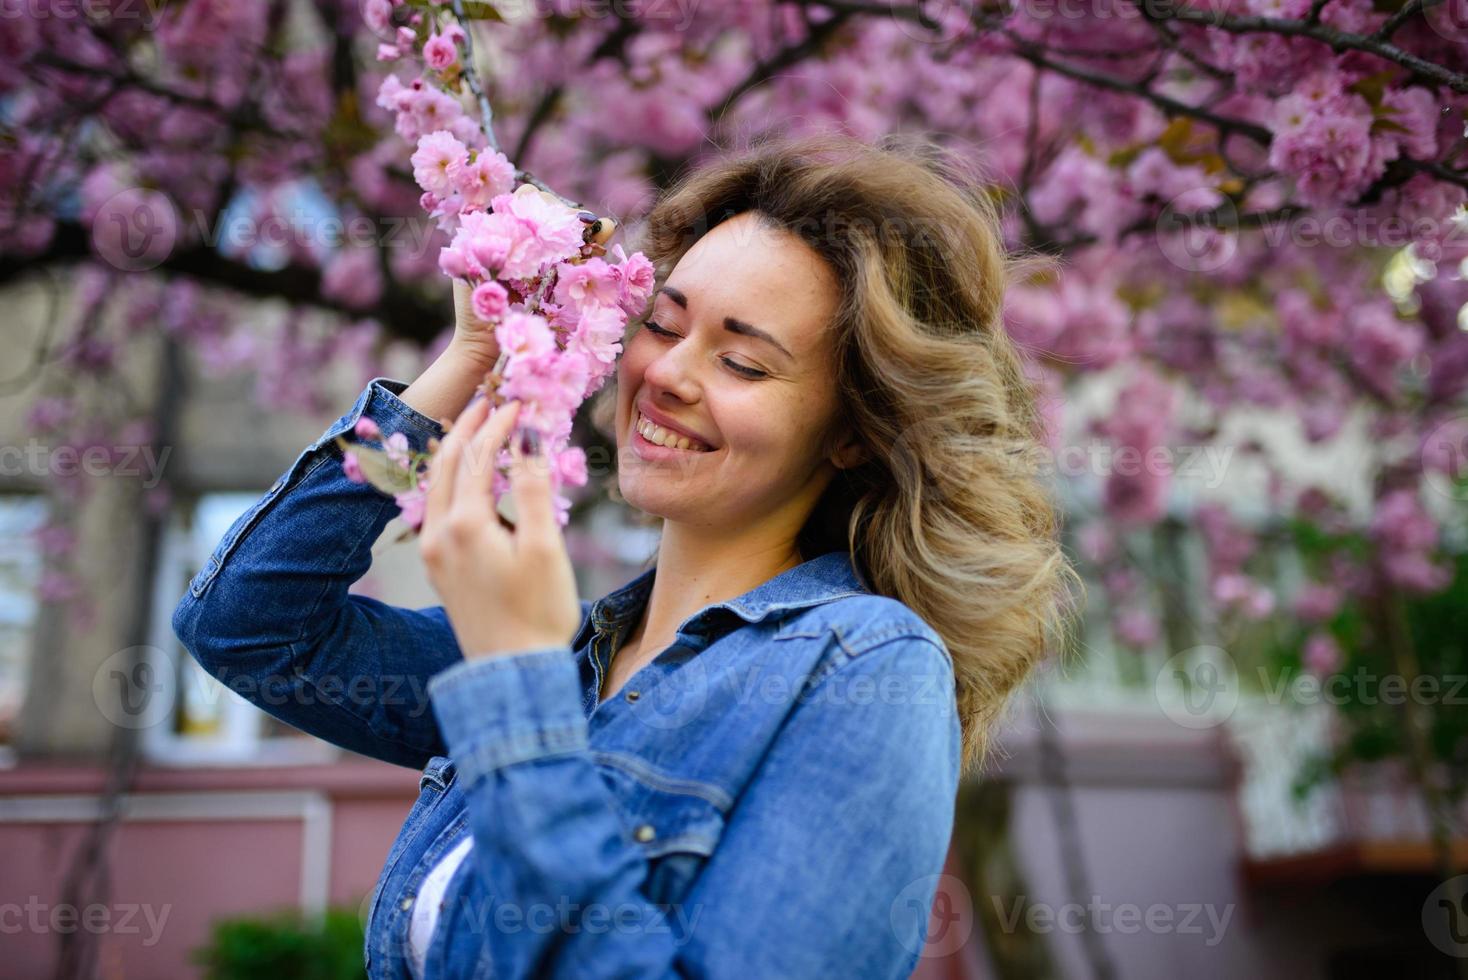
(659, 436)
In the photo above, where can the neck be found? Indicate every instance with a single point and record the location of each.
(698, 566)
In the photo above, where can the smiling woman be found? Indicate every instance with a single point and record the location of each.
(857, 564)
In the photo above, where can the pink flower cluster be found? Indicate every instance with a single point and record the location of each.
(1229, 545)
(1136, 489)
(1335, 143)
(456, 179)
(420, 108)
(557, 306)
(1406, 535)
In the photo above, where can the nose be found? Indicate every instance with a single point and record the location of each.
(675, 371)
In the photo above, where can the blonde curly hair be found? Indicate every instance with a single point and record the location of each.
(950, 512)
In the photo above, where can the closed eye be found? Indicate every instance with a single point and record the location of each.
(753, 374)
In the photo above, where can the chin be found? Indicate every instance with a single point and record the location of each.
(657, 501)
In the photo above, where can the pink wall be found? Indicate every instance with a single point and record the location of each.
(198, 845)
(201, 844)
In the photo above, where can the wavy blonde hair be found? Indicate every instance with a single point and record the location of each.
(948, 513)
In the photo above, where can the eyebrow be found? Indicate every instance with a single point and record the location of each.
(730, 323)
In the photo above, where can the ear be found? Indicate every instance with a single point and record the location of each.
(849, 453)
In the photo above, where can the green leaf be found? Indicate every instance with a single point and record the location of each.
(1373, 87)
(478, 10)
(380, 472)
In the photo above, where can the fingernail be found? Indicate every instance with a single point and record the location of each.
(586, 216)
(529, 442)
(478, 397)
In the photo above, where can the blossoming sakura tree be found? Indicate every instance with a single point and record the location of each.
(1258, 205)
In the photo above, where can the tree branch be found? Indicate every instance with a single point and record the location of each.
(1336, 39)
(403, 312)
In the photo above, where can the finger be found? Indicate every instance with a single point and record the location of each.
(444, 468)
(473, 498)
(530, 486)
(477, 463)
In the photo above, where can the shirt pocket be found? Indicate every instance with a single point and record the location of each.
(675, 830)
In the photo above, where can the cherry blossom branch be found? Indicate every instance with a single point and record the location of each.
(404, 312)
(791, 54)
(486, 111)
(1336, 39)
(611, 45)
(1408, 10)
(471, 78)
(1037, 57)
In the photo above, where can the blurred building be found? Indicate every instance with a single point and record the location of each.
(1127, 832)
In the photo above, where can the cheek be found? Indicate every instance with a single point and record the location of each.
(767, 432)
(637, 353)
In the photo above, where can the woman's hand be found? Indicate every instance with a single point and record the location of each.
(443, 390)
(504, 591)
(475, 337)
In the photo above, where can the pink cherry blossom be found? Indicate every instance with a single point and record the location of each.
(489, 175)
(1136, 628)
(438, 161)
(636, 275)
(412, 504)
(599, 333)
(557, 229)
(490, 300)
(352, 467)
(524, 336)
(1322, 655)
(397, 448)
(587, 284)
(439, 52)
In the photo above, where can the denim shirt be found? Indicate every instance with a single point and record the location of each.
(772, 796)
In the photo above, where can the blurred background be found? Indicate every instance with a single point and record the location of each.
(1254, 354)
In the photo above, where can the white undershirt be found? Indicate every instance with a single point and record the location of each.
(430, 900)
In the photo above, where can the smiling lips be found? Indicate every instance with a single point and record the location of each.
(659, 436)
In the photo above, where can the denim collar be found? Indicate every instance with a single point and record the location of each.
(820, 579)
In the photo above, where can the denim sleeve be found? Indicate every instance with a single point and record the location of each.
(271, 617)
(830, 858)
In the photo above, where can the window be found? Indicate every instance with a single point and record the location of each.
(204, 721)
(21, 515)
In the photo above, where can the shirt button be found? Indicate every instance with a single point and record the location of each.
(633, 695)
(406, 903)
(644, 833)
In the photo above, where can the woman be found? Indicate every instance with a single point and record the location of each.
(744, 761)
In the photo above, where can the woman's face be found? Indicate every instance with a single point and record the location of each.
(735, 353)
